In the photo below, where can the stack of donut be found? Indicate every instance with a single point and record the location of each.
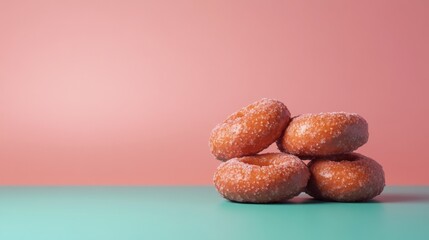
(328, 140)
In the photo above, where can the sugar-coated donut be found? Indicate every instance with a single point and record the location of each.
(250, 130)
(350, 177)
(324, 134)
(269, 177)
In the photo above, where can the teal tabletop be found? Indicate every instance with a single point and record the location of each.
(200, 213)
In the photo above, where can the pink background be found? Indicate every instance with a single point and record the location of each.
(126, 92)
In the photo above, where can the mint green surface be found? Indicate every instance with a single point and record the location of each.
(200, 213)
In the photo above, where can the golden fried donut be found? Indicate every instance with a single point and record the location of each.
(249, 130)
(269, 177)
(345, 178)
(324, 134)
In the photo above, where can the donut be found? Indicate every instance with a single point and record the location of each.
(324, 134)
(350, 177)
(264, 178)
(250, 130)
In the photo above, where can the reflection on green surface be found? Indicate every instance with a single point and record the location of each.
(200, 213)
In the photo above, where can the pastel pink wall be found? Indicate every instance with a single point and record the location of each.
(126, 92)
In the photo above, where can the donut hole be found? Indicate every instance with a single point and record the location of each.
(235, 116)
(261, 162)
(241, 113)
(258, 179)
(349, 157)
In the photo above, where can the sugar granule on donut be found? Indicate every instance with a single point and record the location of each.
(324, 134)
(345, 178)
(270, 177)
(250, 130)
